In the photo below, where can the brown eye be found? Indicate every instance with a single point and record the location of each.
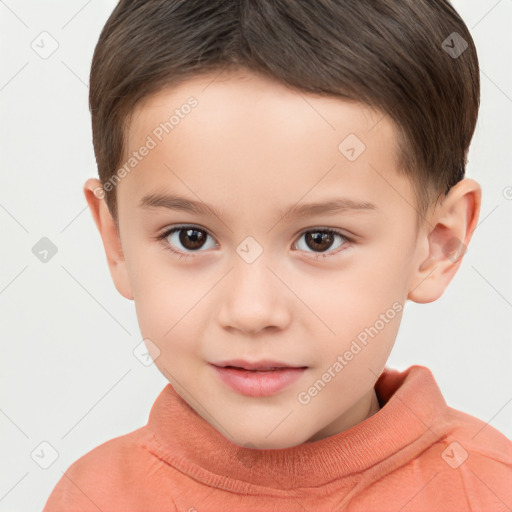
(321, 240)
(187, 238)
(192, 238)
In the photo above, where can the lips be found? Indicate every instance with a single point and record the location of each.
(257, 379)
(264, 365)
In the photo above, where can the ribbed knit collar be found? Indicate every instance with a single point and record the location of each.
(410, 419)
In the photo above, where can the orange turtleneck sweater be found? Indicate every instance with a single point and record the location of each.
(415, 454)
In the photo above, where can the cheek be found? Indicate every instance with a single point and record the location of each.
(356, 309)
(172, 323)
(353, 294)
(347, 365)
(167, 298)
(363, 338)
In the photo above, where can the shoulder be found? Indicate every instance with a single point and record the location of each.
(480, 459)
(468, 467)
(471, 438)
(116, 475)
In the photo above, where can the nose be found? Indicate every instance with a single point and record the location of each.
(254, 299)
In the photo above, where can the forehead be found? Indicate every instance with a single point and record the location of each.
(250, 101)
(247, 140)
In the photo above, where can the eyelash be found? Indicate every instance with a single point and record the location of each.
(316, 256)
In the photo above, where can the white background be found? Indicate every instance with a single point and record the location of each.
(68, 374)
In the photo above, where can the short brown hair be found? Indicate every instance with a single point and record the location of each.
(414, 60)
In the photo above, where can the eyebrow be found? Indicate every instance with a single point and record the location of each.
(331, 206)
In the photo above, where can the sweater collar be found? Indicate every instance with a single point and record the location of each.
(410, 417)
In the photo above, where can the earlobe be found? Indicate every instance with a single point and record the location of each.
(110, 237)
(445, 241)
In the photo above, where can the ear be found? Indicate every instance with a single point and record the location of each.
(94, 194)
(446, 236)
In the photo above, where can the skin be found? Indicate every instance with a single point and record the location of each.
(250, 148)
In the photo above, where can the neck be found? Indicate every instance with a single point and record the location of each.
(367, 406)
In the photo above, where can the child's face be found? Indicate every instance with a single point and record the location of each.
(251, 288)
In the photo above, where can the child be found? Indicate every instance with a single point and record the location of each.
(277, 179)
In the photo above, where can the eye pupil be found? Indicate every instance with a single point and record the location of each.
(192, 238)
(321, 239)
